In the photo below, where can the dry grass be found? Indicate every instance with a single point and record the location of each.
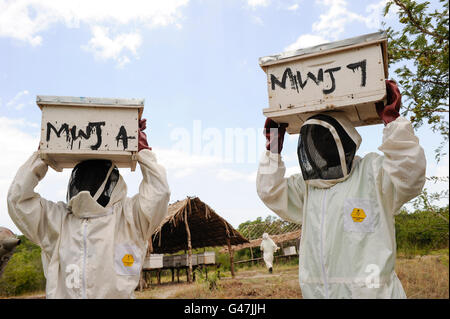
(28, 295)
(425, 277)
(254, 283)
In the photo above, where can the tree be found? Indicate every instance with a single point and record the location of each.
(421, 48)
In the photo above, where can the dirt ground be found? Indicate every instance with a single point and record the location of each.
(425, 277)
(255, 282)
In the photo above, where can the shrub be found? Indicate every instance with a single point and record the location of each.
(422, 231)
(24, 271)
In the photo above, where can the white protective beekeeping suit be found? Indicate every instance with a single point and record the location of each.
(268, 247)
(91, 251)
(348, 246)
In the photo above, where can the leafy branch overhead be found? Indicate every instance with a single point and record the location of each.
(420, 53)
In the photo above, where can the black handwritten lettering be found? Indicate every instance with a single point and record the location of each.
(74, 135)
(97, 127)
(319, 77)
(310, 76)
(282, 83)
(333, 81)
(64, 127)
(361, 64)
(123, 136)
(297, 79)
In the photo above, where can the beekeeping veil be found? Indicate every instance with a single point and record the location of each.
(98, 177)
(326, 149)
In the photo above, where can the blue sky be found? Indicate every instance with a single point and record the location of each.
(195, 62)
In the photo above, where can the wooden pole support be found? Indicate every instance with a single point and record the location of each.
(189, 244)
(231, 253)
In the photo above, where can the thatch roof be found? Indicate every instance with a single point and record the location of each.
(207, 228)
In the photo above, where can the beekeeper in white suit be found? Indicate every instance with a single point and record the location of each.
(346, 204)
(268, 247)
(94, 245)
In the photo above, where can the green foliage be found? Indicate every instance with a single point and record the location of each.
(427, 201)
(421, 49)
(210, 281)
(223, 259)
(24, 271)
(421, 231)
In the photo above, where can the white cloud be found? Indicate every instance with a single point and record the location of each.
(440, 169)
(26, 20)
(183, 164)
(16, 147)
(230, 175)
(305, 41)
(375, 14)
(258, 3)
(17, 102)
(257, 20)
(105, 47)
(333, 22)
(293, 7)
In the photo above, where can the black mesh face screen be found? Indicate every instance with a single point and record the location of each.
(318, 153)
(89, 176)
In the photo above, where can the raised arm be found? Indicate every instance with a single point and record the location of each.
(37, 218)
(151, 204)
(402, 168)
(284, 196)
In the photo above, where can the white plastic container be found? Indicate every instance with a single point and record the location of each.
(289, 251)
(154, 261)
(347, 75)
(207, 258)
(74, 129)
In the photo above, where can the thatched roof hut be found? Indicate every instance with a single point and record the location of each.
(193, 224)
(206, 228)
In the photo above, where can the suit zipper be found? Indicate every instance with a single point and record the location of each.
(322, 221)
(84, 258)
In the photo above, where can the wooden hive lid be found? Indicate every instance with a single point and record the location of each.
(81, 101)
(328, 48)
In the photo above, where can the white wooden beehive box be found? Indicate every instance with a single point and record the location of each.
(347, 75)
(289, 251)
(74, 129)
(194, 259)
(207, 258)
(153, 261)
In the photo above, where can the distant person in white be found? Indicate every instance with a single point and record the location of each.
(268, 247)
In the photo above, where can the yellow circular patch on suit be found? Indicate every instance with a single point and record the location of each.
(358, 215)
(128, 260)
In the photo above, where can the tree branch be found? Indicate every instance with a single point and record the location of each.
(415, 22)
(432, 82)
